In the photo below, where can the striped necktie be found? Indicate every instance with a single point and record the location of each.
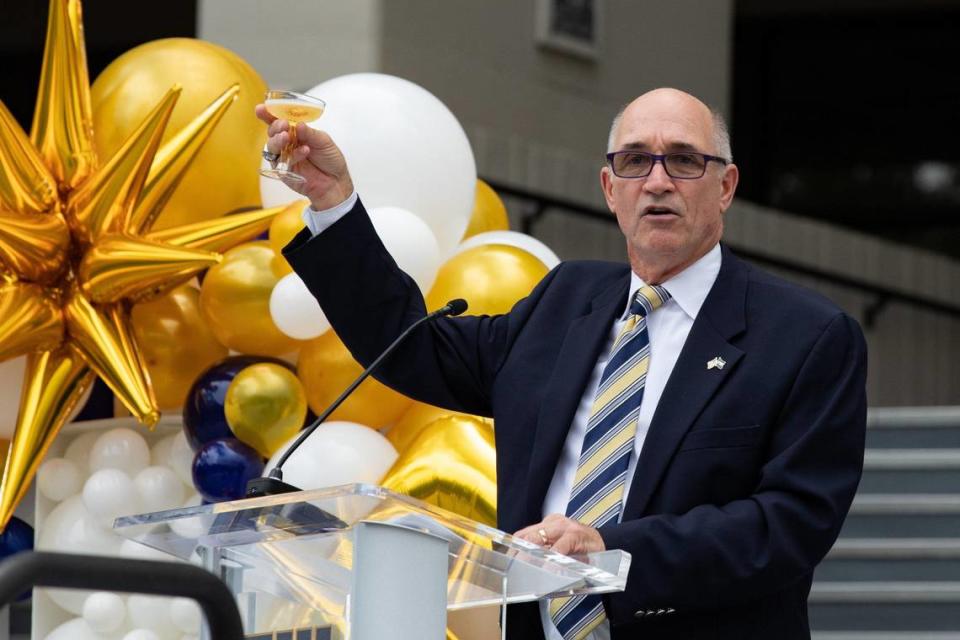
(598, 485)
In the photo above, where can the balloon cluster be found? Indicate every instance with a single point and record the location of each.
(89, 481)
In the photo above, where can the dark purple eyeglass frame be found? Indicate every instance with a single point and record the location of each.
(661, 158)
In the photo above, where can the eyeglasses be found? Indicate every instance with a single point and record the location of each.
(683, 165)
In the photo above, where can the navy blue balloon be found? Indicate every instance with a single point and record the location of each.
(17, 537)
(222, 468)
(203, 417)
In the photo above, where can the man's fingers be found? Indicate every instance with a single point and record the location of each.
(276, 144)
(316, 139)
(299, 154)
(262, 113)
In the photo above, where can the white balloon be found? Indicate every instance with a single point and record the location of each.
(109, 494)
(144, 634)
(514, 239)
(411, 243)
(78, 451)
(159, 489)
(11, 380)
(150, 614)
(121, 448)
(58, 479)
(181, 459)
(160, 452)
(404, 149)
(71, 528)
(76, 629)
(132, 549)
(193, 527)
(294, 309)
(186, 615)
(337, 453)
(104, 611)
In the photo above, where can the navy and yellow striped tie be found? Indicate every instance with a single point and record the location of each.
(598, 485)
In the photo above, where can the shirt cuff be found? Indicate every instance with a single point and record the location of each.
(319, 221)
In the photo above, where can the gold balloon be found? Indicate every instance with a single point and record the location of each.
(62, 123)
(173, 160)
(26, 185)
(287, 224)
(452, 464)
(265, 406)
(218, 234)
(235, 300)
(55, 382)
(489, 213)
(224, 174)
(492, 278)
(58, 173)
(104, 338)
(105, 201)
(30, 320)
(326, 368)
(176, 343)
(34, 245)
(416, 419)
(120, 266)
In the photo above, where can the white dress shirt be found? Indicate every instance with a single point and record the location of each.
(667, 329)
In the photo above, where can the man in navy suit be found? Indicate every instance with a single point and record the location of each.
(749, 433)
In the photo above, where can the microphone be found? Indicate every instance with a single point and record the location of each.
(274, 484)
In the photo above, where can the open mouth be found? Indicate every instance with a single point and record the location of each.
(658, 212)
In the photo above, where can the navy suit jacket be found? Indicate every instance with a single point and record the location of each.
(747, 471)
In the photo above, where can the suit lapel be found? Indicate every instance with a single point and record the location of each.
(575, 362)
(691, 383)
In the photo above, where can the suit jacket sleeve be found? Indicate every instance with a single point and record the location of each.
(369, 301)
(721, 555)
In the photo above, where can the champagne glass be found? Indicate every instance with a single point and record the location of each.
(293, 107)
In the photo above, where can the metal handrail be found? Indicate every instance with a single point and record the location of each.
(27, 569)
(544, 204)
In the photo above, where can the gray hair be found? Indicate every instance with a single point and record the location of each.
(721, 133)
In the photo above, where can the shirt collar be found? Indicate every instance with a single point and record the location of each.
(689, 288)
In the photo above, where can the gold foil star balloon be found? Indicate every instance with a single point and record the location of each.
(75, 246)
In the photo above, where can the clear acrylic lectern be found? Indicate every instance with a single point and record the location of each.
(364, 561)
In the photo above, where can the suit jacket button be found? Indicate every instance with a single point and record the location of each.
(671, 610)
(640, 614)
(660, 612)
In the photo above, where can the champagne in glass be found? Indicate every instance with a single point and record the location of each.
(293, 107)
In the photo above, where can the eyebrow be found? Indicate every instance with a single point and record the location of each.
(673, 146)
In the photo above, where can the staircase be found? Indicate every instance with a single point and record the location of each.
(894, 574)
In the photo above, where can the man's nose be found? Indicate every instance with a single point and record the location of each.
(658, 181)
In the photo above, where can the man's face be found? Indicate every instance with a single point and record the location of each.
(669, 223)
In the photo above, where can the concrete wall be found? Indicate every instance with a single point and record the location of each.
(296, 44)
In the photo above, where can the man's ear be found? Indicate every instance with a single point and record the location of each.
(728, 186)
(606, 183)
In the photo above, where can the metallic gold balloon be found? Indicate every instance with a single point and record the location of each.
(55, 382)
(489, 213)
(26, 185)
(265, 406)
(287, 224)
(452, 464)
(174, 159)
(416, 418)
(235, 300)
(30, 320)
(104, 202)
(121, 266)
(176, 343)
(103, 337)
(219, 234)
(326, 368)
(34, 245)
(224, 175)
(62, 123)
(492, 278)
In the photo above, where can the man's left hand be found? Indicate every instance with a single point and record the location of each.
(563, 535)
